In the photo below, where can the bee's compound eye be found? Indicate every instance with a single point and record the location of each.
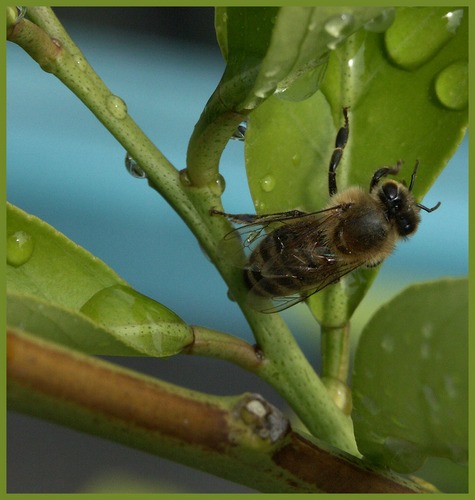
(406, 225)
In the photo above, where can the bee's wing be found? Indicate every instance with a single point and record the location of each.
(284, 302)
(331, 269)
(253, 226)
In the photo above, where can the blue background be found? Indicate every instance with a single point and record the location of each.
(64, 167)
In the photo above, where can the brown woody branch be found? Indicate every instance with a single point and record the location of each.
(244, 438)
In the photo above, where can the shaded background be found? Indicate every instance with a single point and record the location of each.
(64, 167)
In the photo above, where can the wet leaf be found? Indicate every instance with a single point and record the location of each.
(63, 326)
(410, 380)
(55, 263)
(395, 114)
(61, 292)
(140, 322)
(282, 50)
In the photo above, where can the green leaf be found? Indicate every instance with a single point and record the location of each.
(281, 50)
(395, 114)
(61, 292)
(268, 50)
(46, 264)
(63, 326)
(140, 322)
(410, 381)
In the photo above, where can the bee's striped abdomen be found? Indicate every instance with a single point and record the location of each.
(278, 268)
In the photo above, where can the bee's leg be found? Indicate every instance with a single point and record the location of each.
(340, 143)
(238, 218)
(260, 219)
(383, 172)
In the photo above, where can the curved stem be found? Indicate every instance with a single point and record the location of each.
(207, 143)
(214, 344)
(287, 367)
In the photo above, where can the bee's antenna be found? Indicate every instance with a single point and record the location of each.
(429, 210)
(413, 179)
(413, 176)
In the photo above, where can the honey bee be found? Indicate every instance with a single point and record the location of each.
(310, 250)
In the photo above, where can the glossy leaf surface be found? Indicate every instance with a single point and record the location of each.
(410, 381)
(395, 114)
(280, 49)
(61, 292)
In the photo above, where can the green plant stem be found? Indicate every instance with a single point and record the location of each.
(273, 367)
(288, 369)
(210, 136)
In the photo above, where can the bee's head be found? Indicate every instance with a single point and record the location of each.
(399, 206)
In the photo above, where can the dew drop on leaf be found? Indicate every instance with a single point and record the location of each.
(20, 247)
(451, 86)
(382, 22)
(296, 159)
(387, 343)
(21, 13)
(338, 26)
(418, 34)
(268, 183)
(138, 321)
(454, 18)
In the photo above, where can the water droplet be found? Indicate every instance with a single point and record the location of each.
(382, 22)
(268, 183)
(454, 18)
(240, 133)
(427, 330)
(451, 386)
(138, 321)
(80, 61)
(296, 159)
(340, 393)
(218, 185)
(338, 26)
(259, 206)
(133, 167)
(21, 13)
(184, 177)
(19, 248)
(425, 350)
(417, 35)
(432, 398)
(116, 107)
(451, 86)
(251, 237)
(388, 343)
